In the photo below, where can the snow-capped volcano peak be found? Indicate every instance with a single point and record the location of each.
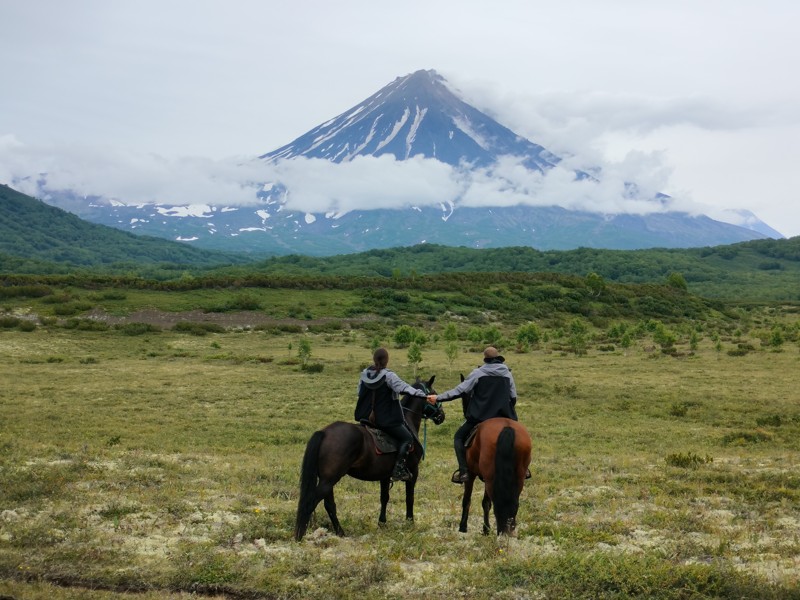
(417, 114)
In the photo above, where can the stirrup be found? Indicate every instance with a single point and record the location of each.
(527, 473)
(401, 474)
(459, 477)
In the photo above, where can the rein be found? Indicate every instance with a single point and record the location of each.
(421, 413)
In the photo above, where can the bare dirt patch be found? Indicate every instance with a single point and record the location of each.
(243, 319)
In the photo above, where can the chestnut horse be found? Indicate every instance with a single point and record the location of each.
(499, 454)
(341, 449)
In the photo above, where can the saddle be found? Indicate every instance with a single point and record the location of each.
(471, 437)
(384, 443)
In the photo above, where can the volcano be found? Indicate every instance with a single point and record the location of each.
(419, 119)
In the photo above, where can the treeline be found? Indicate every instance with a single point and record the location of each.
(762, 270)
(39, 239)
(517, 297)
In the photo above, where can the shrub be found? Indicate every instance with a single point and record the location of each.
(769, 421)
(690, 460)
(679, 409)
(85, 325)
(529, 334)
(26, 325)
(197, 328)
(742, 438)
(312, 367)
(404, 336)
(9, 322)
(24, 291)
(137, 328)
(244, 302)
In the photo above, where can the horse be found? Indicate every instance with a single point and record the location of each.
(499, 455)
(342, 448)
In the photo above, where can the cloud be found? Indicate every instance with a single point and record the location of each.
(576, 123)
(320, 186)
(130, 177)
(364, 183)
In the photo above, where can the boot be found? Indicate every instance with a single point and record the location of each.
(462, 475)
(401, 472)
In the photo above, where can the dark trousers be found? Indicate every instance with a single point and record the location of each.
(462, 432)
(401, 433)
(458, 443)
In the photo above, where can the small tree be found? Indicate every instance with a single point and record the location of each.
(595, 283)
(304, 351)
(664, 338)
(776, 339)
(451, 332)
(694, 340)
(451, 352)
(414, 356)
(528, 335)
(492, 335)
(404, 335)
(677, 281)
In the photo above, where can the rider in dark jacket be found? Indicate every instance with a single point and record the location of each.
(379, 392)
(494, 394)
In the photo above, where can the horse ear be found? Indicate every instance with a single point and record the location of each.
(430, 381)
(462, 376)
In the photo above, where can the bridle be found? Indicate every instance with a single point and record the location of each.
(421, 413)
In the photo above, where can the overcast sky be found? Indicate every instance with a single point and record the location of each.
(167, 99)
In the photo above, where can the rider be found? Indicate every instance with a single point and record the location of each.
(379, 402)
(493, 395)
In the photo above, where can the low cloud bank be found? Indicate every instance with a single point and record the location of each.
(320, 186)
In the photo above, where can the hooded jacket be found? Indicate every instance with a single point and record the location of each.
(493, 392)
(380, 391)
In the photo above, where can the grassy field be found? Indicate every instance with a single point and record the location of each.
(167, 464)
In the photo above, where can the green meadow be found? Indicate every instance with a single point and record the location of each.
(161, 461)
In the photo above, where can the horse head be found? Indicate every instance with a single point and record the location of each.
(419, 408)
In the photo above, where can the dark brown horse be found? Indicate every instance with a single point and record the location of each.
(348, 449)
(499, 455)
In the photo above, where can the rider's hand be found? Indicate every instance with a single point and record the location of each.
(432, 398)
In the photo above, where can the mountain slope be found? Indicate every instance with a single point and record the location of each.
(31, 229)
(496, 190)
(415, 115)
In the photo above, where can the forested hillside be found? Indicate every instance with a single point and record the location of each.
(34, 234)
(756, 270)
(36, 238)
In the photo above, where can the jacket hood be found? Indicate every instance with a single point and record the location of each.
(495, 368)
(372, 378)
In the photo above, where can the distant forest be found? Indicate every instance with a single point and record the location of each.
(38, 239)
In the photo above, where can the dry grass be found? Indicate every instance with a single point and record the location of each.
(168, 464)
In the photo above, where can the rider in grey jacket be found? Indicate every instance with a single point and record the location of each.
(493, 394)
(379, 392)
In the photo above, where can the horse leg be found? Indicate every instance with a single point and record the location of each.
(330, 508)
(465, 504)
(410, 498)
(384, 500)
(487, 506)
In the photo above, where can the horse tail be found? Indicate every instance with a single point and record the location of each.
(309, 476)
(506, 484)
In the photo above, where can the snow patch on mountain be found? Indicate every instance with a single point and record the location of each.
(192, 210)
